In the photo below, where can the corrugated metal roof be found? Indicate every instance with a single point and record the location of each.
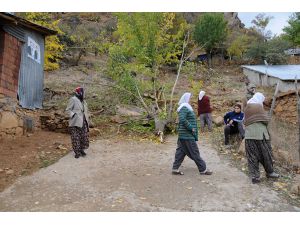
(20, 21)
(283, 72)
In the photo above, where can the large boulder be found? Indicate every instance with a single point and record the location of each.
(218, 120)
(8, 120)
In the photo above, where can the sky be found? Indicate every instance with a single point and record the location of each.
(276, 24)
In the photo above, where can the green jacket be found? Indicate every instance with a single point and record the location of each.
(257, 131)
(187, 121)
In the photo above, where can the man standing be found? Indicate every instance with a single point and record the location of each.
(234, 123)
(251, 89)
(204, 111)
(78, 122)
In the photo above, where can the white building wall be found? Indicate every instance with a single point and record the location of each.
(262, 80)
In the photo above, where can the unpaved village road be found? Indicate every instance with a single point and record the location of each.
(120, 175)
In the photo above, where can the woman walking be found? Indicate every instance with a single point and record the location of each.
(78, 122)
(204, 111)
(187, 137)
(257, 139)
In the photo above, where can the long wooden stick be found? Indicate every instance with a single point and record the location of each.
(274, 100)
(298, 110)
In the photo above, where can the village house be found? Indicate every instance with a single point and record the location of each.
(270, 75)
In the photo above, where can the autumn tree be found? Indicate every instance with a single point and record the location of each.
(210, 31)
(239, 46)
(146, 42)
(260, 23)
(53, 46)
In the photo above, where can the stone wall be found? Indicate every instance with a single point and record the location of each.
(12, 118)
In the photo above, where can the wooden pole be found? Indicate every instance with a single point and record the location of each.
(298, 110)
(274, 100)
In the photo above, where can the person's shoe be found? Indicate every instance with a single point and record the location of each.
(206, 172)
(82, 153)
(255, 180)
(177, 172)
(77, 156)
(273, 175)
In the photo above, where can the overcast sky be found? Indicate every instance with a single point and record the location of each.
(275, 25)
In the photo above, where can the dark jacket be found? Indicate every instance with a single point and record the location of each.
(204, 105)
(236, 117)
(187, 121)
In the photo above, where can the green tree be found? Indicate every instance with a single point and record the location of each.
(292, 31)
(272, 51)
(53, 46)
(210, 31)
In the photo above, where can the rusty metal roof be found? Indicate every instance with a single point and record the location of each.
(15, 20)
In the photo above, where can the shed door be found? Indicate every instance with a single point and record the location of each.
(31, 76)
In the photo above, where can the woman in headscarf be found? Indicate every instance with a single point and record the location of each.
(79, 122)
(257, 139)
(204, 111)
(187, 137)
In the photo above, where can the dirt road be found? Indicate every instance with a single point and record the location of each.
(120, 175)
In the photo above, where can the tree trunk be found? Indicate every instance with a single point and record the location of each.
(81, 53)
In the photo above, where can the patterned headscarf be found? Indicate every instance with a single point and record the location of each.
(79, 92)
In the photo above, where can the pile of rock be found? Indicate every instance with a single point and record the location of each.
(56, 121)
(286, 107)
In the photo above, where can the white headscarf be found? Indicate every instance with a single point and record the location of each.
(184, 101)
(258, 98)
(201, 95)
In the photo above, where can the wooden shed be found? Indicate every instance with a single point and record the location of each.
(22, 47)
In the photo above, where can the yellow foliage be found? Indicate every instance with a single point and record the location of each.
(53, 47)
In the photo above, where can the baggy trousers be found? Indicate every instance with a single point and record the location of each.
(229, 130)
(189, 148)
(259, 151)
(205, 118)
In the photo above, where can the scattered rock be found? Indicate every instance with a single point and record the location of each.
(9, 172)
(129, 111)
(218, 120)
(295, 189)
(61, 147)
(19, 131)
(117, 119)
(94, 132)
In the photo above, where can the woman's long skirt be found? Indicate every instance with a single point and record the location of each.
(80, 138)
